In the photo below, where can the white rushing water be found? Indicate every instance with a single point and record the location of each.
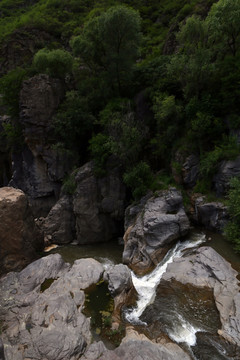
(146, 288)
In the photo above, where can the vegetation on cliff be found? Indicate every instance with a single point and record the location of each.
(144, 80)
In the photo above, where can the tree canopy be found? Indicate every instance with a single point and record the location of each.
(109, 45)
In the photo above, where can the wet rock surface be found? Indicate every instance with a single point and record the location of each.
(20, 239)
(138, 347)
(160, 221)
(205, 268)
(98, 204)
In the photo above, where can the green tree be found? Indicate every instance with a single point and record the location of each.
(56, 63)
(109, 45)
(168, 114)
(224, 24)
(73, 124)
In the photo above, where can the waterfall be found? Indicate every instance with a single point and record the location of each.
(146, 288)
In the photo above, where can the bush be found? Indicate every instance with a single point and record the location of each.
(56, 63)
(10, 85)
(139, 179)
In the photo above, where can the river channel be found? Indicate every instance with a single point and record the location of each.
(190, 318)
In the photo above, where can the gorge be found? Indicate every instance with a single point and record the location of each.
(119, 180)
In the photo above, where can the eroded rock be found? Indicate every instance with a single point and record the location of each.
(41, 309)
(98, 204)
(20, 239)
(205, 268)
(121, 287)
(59, 225)
(39, 169)
(161, 221)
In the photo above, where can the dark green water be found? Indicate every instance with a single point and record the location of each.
(224, 248)
(107, 253)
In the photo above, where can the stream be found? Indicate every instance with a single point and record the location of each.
(187, 317)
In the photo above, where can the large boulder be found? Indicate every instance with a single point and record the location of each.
(121, 287)
(20, 239)
(160, 221)
(98, 204)
(205, 268)
(39, 169)
(41, 309)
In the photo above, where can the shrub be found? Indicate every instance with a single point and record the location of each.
(56, 63)
(139, 179)
(10, 85)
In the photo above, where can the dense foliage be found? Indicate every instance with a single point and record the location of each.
(144, 80)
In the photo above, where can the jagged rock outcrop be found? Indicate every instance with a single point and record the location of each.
(212, 215)
(43, 320)
(205, 268)
(160, 221)
(226, 170)
(38, 169)
(20, 239)
(59, 225)
(98, 204)
(121, 287)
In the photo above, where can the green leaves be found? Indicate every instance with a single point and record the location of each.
(56, 63)
(109, 45)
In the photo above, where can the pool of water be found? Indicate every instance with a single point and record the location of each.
(106, 253)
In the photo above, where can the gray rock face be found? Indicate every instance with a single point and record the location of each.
(121, 288)
(205, 268)
(98, 205)
(139, 347)
(59, 225)
(227, 170)
(39, 169)
(41, 309)
(161, 221)
(212, 215)
(119, 279)
(20, 239)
